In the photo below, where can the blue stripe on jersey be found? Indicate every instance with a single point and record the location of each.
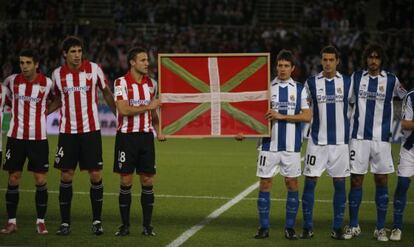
(331, 111)
(315, 109)
(266, 143)
(409, 141)
(357, 81)
(281, 125)
(298, 126)
(347, 85)
(387, 113)
(370, 109)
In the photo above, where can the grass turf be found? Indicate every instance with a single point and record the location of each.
(195, 177)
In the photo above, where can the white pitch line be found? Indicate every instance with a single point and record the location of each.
(190, 197)
(193, 230)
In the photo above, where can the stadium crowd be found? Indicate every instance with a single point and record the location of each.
(188, 32)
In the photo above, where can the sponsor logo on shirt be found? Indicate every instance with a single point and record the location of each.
(138, 102)
(27, 98)
(76, 89)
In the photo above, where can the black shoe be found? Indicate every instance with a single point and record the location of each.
(290, 234)
(64, 229)
(262, 233)
(97, 228)
(148, 231)
(306, 234)
(338, 234)
(123, 230)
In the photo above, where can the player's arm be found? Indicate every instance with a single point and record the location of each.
(156, 124)
(304, 116)
(54, 104)
(407, 118)
(109, 98)
(407, 124)
(125, 109)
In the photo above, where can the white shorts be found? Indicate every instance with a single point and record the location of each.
(376, 153)
(333, 158)
(406, 166)
(271, 163)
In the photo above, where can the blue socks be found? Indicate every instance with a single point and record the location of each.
(355, 198)
(263, 207)
(308, 199)
(381, 200)
(292, 206)
(400, 199)
(339, 201)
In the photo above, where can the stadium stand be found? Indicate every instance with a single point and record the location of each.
(190, 26)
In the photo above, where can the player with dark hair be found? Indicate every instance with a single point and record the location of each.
(281, 151)
(372, 119)
(30, 94)
(137, 115)
(77, 82)
(327, 148)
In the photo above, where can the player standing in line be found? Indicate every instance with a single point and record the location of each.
(406, 166)
(134, 144)
(281, 152)
(371, 126)
(80, 137)
(3, 96)
(29, 93)
(327, 148)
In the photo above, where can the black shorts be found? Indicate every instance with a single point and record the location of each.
(85, 148)
(37, 152)
(134, 152)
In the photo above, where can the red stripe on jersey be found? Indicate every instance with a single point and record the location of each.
(89, 97)
(130, 96)
(142, 115)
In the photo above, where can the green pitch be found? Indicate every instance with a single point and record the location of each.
(195, 177)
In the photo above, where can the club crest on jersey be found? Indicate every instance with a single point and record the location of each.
(339, 90)
(42, 89)
(292, 97)
(381, 88)
(88, 76)
(363, 86)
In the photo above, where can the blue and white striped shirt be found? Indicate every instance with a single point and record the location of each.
(330, 101)
(373, 111)
(289, 98)
(407, 114)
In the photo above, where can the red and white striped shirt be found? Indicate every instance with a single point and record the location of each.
(77, 88)
(126, 88)
(28, 106)
(3, 95)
